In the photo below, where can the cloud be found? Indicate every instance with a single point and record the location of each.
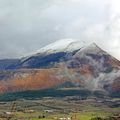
(28, 25)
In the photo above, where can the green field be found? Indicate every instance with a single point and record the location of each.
(72, 107)
(78, 116)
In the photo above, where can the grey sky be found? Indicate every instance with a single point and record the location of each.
(28, 25)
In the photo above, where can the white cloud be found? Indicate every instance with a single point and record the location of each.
(114, 7)
(29, 25)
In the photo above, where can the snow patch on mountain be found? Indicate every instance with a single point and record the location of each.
(92, 49)
(63, 45)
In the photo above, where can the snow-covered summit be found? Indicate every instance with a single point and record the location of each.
(63, 45)
(92, 48)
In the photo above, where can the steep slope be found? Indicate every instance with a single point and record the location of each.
(47, 56)
(69, 66)
(22, 80)
(98, 67)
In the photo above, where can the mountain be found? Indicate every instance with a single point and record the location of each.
(5, 63)
(48, 55)
(72, 67)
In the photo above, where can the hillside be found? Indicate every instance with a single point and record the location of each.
(71, 65)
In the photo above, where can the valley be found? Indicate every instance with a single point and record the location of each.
(55, 108)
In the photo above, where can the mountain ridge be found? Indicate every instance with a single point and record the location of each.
(87, 67)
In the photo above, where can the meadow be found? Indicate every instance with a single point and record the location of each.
(55, 108)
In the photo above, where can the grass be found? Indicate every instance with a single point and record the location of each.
(79, 116)
(63, 107)
(89, 115)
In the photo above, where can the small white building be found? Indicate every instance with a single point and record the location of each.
(48, 111)
(68, 118)
(29, 111)
(8, 113)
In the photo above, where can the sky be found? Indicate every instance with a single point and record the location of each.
(28, 25)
